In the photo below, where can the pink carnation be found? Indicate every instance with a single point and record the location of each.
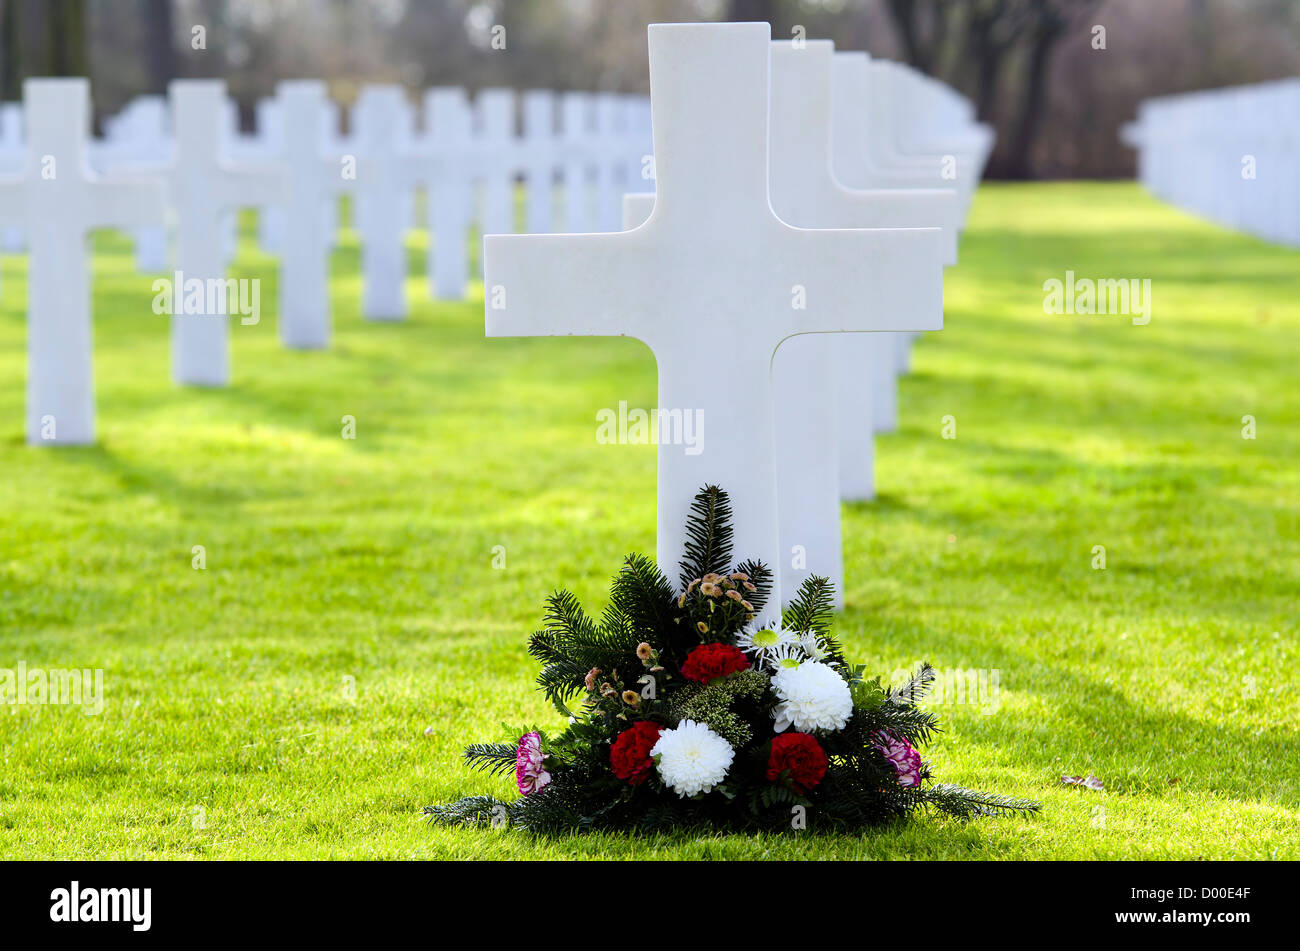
(529, 775)
(905, 760)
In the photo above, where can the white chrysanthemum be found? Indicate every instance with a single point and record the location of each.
(813, 697)
(762, 641)
(692, 759)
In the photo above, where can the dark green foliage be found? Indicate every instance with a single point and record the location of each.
(708, 535)
(812, 610)
(761, 577)
(968, 803)
(472, 810)
(495, 759)
(642, 599)
(569, 645)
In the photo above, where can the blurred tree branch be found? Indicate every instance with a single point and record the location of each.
(11, 78)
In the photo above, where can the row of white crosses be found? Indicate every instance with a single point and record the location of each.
(189, 173)
(1231, 155)
(773, 225)
(594, 144)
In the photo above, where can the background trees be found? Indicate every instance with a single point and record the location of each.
(1033, 68)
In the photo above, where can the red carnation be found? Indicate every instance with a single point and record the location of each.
(802, 755)
(630, 754)
(708, 662)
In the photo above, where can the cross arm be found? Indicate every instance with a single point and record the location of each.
(866, 280)
(249, 185)
(13, 206)
(558, 284)
(126, 203)
(910, 208)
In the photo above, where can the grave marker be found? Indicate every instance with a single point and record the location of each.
(56, 202)
(204, 189)
(449, 122)
(714, 281)
(314, 180)
(805, 193)
(388, 171)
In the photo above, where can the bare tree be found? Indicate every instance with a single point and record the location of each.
(65, 37)
(11, 78)
(159, 45)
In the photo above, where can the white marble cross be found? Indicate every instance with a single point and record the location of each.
(13, 154)
(388, 171)
(806, 193)
(140, 137)
(204, 189)
(57, 202)
(495, 141)
(575, 133)
(862, 127)
(267, 143)
(449, 125)
(611, 182)
(714, 281)
(539, 159)
(315, 180)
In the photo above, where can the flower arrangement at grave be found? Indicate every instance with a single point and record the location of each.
(685, 709)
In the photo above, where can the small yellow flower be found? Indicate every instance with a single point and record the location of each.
(734, 596)
(631, 698)
(643, 650)
(701, 627)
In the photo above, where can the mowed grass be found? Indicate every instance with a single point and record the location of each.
(311, 689)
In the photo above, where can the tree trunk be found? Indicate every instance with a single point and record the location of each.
(11, 79)
(65, 37)
(160, 51)
(751, 11)
(1020, 161)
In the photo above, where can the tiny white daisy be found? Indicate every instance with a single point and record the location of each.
(762, 641)
(787, 656)
(814, 646)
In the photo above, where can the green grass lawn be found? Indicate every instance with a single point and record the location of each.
(307, 693)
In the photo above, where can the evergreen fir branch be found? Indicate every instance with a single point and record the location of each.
(575, 800)
(571, 644)
(644, 597)
(967, 803)
(495, 759)
(915, 689)
(471, 810)
(813, 609)
(708, 536)
(760, 576)
(914, 725)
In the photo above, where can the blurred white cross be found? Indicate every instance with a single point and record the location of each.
(56, 202)
(203, 187)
